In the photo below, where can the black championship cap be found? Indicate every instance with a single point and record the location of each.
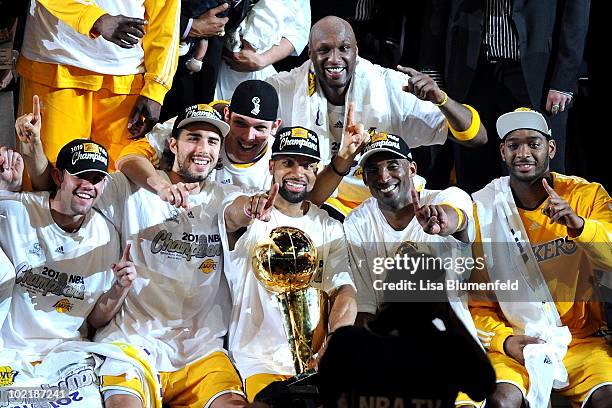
(201, 113)
(256, 99)
(385, 142)
(296, 141)
(83, 156)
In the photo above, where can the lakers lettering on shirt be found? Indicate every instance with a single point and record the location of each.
(208, 266)
(63, 306)
(554, 248)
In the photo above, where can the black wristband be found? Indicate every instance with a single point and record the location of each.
(335, 170)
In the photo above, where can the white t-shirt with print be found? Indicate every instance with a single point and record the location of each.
(257, 341)
(370, 236)
(179, 305)
(58, 276)
(250, 176)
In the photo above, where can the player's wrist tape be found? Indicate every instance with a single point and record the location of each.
(471, 131)
(335, 169)
(444, 100)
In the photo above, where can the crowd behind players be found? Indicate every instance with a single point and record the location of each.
(126, 241)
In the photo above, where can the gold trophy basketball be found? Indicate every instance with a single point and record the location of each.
(284, 264)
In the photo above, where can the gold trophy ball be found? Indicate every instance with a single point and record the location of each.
(286, 261)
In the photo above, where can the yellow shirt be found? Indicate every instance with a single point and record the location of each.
(566, 263)
(160, 45)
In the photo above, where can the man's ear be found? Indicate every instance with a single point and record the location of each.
(271, 168)
(275, 126)
(57, 177)
(226, 115)
(552, 148)
(413, 167)
(172, 144)
(501, 151)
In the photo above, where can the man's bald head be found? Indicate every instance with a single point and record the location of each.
(331, 25)
(332, 48)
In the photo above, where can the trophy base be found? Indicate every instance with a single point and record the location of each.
(299, 391)
(307, 377)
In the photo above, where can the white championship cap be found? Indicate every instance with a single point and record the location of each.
(522, 118)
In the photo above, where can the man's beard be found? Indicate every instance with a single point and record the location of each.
(540, 170)
(292, 197)
(190, 177)
(76, 210)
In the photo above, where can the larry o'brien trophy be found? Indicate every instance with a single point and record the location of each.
(284, 264)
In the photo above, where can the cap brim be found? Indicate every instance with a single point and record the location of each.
(295, 154)
(369, 153)
(223, 127)
(90, 171)
(531, 120)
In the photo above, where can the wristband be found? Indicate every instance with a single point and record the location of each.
(460, 216)
(470, 132)
(335, 170)
(444, 100)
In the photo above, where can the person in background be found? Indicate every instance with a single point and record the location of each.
(499, 55)
(271, 31)
(101, 72)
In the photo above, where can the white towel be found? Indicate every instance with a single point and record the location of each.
(508, 256)
(544, 362)
(138, 360)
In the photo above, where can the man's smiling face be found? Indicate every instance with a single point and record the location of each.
(333, 52)
(247, 137)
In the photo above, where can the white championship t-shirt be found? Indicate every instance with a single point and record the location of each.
(250, 176)
(179, 306)
(59, 276)
(257, 341)
(370, 236)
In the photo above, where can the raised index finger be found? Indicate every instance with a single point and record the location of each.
(126, 253)
(549, 189)
(350, 115)
(415, 199)
(36, 107)
(272, 196)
